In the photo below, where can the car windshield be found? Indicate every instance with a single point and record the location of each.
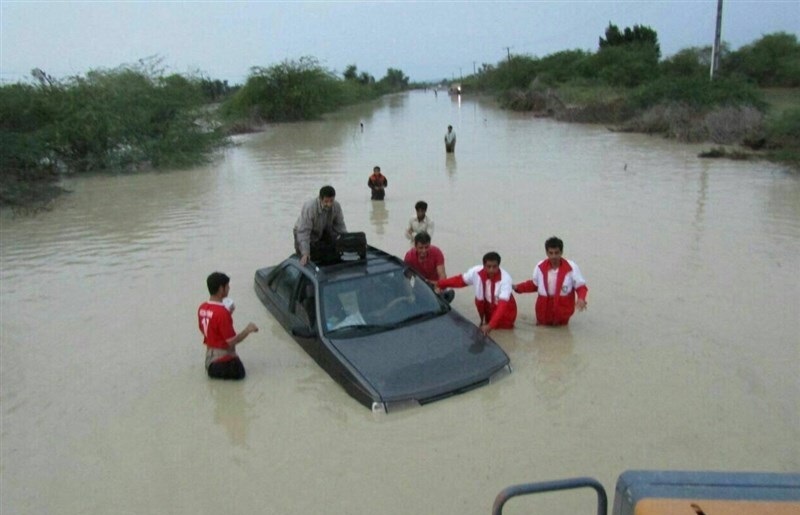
(375, 302)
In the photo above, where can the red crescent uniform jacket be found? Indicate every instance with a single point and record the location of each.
(493, 296)
(556, 309)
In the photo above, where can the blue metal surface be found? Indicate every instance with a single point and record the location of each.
(635, 485)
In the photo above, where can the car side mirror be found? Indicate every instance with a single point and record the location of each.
(448, 296)
(304, 331)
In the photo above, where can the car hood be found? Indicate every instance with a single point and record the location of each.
(424, 360)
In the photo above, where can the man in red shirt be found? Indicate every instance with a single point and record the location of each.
(428, 261)
(216, 323)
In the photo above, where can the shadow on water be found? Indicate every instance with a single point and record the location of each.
(397, 101)
(544, 356)
(231, 410)
(556, 362)
(450, 165)
(699, 215)
(379, 216)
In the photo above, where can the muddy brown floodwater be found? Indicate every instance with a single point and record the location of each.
(688, 356)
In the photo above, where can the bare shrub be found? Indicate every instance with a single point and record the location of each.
(611, 111)
(723, 125)
(673, 120)
(519, 100)
(728, 125)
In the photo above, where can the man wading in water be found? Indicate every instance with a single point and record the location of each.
(450, 140)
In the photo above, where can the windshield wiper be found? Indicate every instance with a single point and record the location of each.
(418, 317)
(360, 327)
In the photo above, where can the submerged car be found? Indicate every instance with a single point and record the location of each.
(379, 329)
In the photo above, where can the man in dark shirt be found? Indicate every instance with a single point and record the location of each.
(377, 182)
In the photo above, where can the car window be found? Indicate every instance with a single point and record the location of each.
(378, 301)
(305, 305)
(284, 284)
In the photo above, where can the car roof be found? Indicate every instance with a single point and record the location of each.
(375, 261)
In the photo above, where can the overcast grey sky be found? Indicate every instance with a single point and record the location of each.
(425, 39)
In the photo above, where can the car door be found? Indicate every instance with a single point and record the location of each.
(304, 308)
(294, 296)
(283, 287)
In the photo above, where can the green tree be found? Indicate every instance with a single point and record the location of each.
(351, 72)
(106, 120)
(628, 58)
(366, 79)
(696, 92)
(638, 35)
(214, 90)
(690, 62)
(562, 66)
(292, 90)
(772, 61)
(394, 80)
(515, 73)
(295, 90)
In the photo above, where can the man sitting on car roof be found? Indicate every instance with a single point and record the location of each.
(320, 222)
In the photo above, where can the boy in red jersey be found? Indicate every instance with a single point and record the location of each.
(216, 323)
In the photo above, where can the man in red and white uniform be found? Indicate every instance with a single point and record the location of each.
(493, 292)
(560, 285)
(216, 323)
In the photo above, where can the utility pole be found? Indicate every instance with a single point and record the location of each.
(715, 50)
(508, 50)
(473, 68)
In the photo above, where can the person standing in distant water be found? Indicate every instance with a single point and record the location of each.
(377, 182)
(419, 223)
(216, 323)
(450, 140)
(321, 221)
(494, 298)
(558, 281)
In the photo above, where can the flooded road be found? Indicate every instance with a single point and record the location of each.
(687, 357)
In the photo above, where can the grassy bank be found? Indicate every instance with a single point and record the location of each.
(137, 118)
(297, 90)
(783, 124)
(753, 101)
(120, 120)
